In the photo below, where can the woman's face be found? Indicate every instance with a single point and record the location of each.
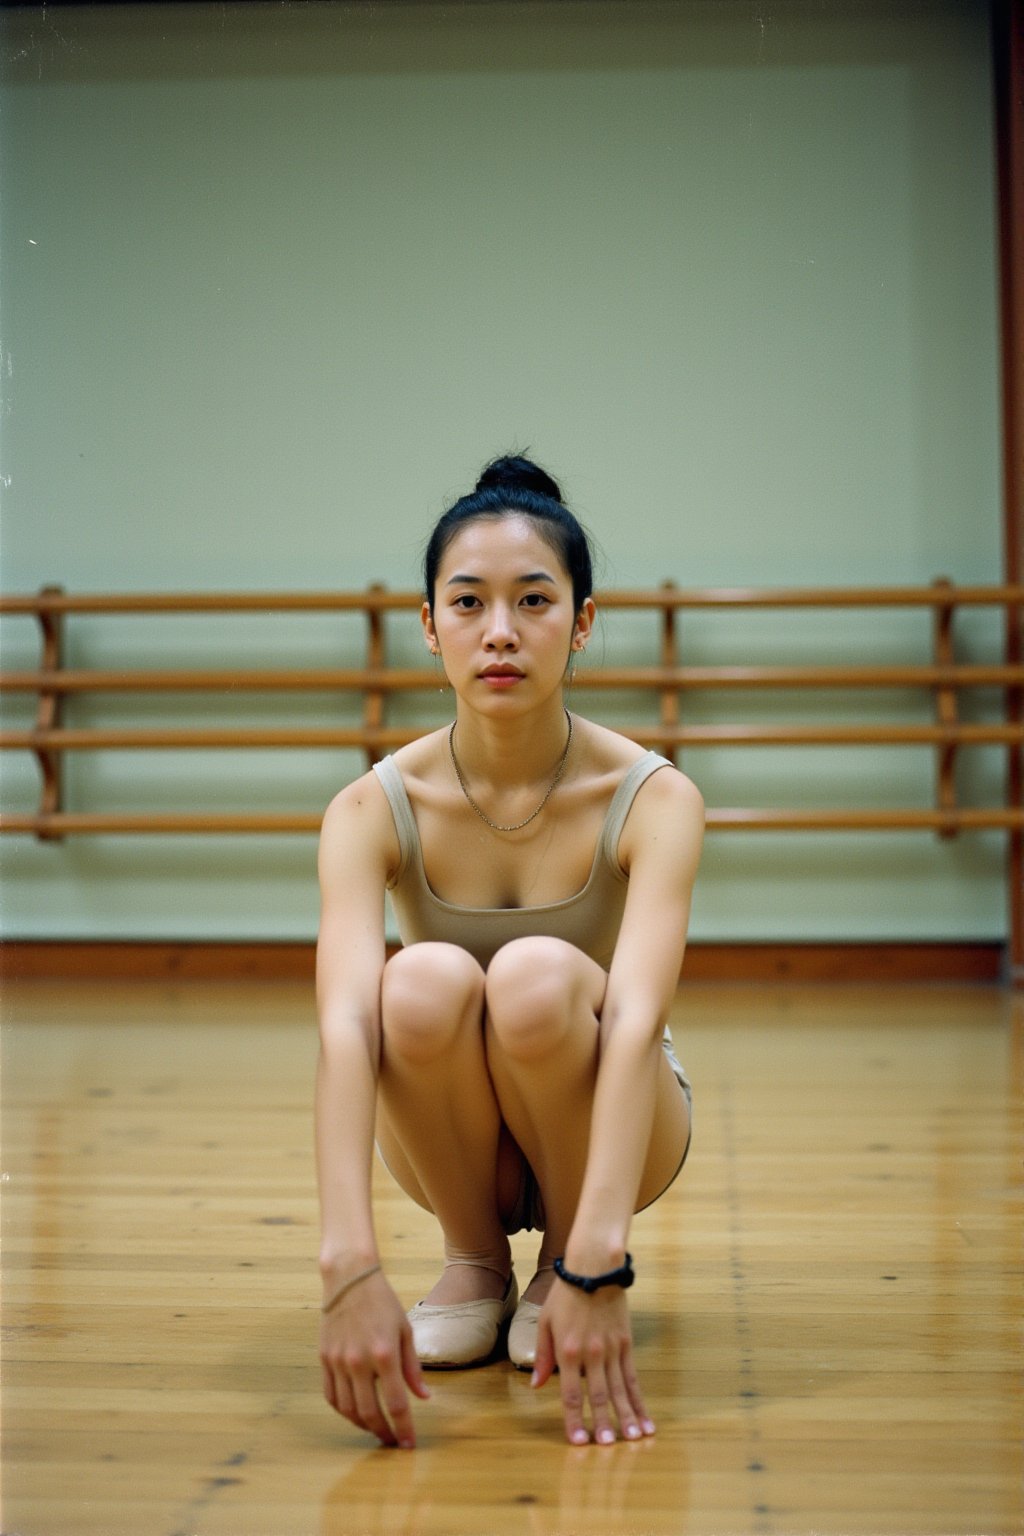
(503, 618)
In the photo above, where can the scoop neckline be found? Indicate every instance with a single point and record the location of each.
(545, 906)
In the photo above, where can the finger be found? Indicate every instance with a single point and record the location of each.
(395, 1400)
(636, 1397)
(344, 1402)
(622, 1402)
(412, 1371)
(337, 1393)
(600, 1399)
(572, 1400)
(398, 1410)
(369, 1410)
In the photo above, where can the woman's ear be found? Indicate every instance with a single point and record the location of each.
(584, 627)
(430, 634)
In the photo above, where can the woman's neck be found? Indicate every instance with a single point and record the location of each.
(503, 753)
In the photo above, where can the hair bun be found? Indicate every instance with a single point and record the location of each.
(523, 474)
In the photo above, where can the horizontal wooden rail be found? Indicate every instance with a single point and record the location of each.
(420, 679)
(730, 819)
(382, 600)
(387, 738)
(989, 689)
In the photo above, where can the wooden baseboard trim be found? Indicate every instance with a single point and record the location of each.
(146, 960)
(847, 963)
(39, 960)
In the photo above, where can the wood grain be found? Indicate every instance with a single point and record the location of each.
(827, 1311)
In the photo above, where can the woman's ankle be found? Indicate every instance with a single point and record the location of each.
(459, 1283)
(495, 1256)
(540, 1285)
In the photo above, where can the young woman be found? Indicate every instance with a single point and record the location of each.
(512, 1059)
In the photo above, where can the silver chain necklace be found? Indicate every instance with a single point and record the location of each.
(533, 814)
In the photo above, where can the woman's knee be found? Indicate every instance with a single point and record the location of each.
(430, 993)
(536, 989)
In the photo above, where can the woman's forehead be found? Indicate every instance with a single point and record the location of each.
(501, 543)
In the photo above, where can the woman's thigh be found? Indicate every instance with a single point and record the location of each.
(541, 980)
(392, 1155)
(670, 1137)
(431, 1014)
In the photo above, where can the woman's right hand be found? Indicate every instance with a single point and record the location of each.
(368, 1360)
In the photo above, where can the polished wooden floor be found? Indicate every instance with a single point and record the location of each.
(827, 1313)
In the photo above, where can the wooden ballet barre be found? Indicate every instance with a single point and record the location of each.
(413, 679)
(381, 599)
(946, 681)
(388, 738)
(725, 819)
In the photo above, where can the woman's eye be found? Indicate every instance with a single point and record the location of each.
(536, 599)
(465, 600)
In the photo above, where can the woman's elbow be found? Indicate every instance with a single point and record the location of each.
(644, 1027)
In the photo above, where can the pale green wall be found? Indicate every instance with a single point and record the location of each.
(277, 279)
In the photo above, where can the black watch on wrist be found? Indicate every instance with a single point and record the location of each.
(623, 1276)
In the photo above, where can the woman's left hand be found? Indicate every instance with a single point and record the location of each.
(589, 1338)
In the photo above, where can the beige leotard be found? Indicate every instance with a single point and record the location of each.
(590, 920)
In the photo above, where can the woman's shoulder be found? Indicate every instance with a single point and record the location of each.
(671, 787)
(423, 766)
(613, 755)
(607, 751)
(421, 756)
(365, 809)
(359, 797)
(666, 821)
(358, 824)
(367, 792)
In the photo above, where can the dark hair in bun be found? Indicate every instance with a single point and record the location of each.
(516, 486)
(503, 473)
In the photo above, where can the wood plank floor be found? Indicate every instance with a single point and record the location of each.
(827, 1313)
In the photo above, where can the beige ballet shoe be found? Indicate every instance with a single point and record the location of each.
(522, 1336)
(464, 1333)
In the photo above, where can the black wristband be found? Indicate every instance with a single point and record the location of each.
(623, 1276)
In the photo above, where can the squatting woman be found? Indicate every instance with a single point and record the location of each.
(511, 1061)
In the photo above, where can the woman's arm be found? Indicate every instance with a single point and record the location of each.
(660, 848)
(365, 1339)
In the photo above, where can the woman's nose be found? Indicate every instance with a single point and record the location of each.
(501, 630)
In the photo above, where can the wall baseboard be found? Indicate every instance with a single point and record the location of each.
(103, 960)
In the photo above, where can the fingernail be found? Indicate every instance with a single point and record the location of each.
(633, 1432)
(605, 1436)
(535, 1379)
(648, 1426)
(579, 1437)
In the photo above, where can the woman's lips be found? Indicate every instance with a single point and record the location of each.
(501, 677)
